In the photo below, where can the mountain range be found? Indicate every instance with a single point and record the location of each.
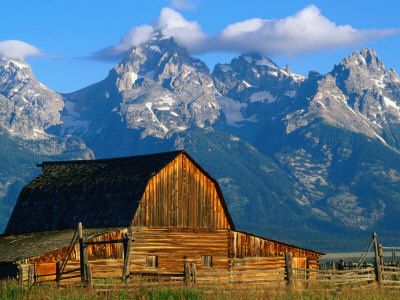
(311, 160)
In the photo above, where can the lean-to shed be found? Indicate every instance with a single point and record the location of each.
(174, 209)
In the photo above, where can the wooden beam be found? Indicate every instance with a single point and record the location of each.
(378, 269)
(127, 251)
(186, 271)
(380, 252)
(104, 242)
(20, 275)
(393, 257)
(31, 275)
(289, 270)
(88, 274)
(58, 271)
(194, 273)
(81, 252)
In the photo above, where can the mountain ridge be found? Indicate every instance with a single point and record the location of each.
(279, 143)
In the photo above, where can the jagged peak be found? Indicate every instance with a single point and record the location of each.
(15, 63)
(287, 69)
(14, 72)
(368, 52)
(366, 58)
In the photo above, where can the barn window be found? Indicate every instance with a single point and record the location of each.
(151, 261)
(206, 261)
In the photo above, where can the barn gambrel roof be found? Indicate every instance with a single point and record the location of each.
(99, 193)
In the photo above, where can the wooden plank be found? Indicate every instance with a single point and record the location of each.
(289, 269)
(185, 204)
(127, 251)
(187, 273)
(180, 207)
(192, 199)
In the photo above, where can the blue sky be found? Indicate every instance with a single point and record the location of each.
(68, 31)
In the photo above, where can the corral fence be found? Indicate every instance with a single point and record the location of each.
(271, 271)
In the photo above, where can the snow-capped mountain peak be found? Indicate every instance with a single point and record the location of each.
(27, 107)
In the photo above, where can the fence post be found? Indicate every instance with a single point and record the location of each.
(187, 273)
(31, 274)
(308, 268)
(81, 252)
(393, 257)
(378, 269)
(341, 264)
(88, 274)
(127, 249)
(58, 271)
(289, 269)
(381, 254)
(20, 275)
(381, 258)
(194, 273)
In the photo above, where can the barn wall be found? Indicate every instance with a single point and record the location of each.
(174, 247)
(181, 196)
(246, 245)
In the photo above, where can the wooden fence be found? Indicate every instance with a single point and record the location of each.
(276, 270)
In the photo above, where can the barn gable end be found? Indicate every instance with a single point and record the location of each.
(182, 195)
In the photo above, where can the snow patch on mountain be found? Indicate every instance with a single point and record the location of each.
(167, 99)
(262, 96)
(155, 48)
(232, 111)
(19, 64)
(390, 102)
(134, 77)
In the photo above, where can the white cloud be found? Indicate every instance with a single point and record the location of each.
(185, 33)
(184, 4)
(18, 49)
(136, 36)
(304, 32)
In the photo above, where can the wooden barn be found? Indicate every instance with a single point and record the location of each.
(147, 214)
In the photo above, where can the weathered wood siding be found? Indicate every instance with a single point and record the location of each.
(181, 196)
(259, 270)
(246, 245)
(174, 247)
(105, 251)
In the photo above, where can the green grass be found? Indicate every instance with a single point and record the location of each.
(11, 290)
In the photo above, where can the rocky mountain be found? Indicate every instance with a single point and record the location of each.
(250, 81)
(303, 159)
(156, 91)
(28, 109)
(337, 137)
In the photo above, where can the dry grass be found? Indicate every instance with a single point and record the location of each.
(11, 290)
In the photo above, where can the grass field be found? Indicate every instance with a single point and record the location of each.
(11, 290)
